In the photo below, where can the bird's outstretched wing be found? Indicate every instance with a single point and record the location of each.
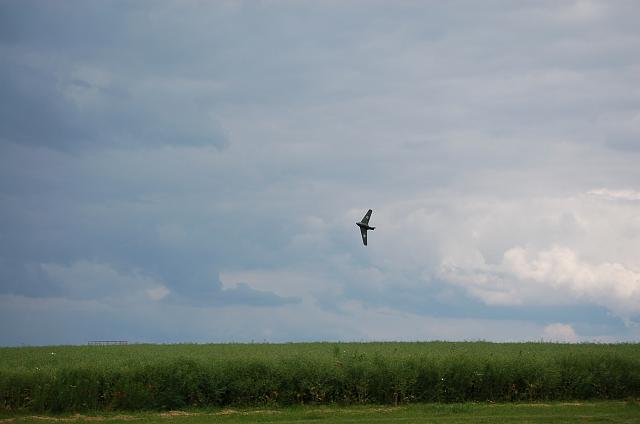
(364, 235)
(366, 218)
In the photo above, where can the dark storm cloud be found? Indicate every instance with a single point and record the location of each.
(39, 109)
(122, 210)
(440, 299)
(71, 78)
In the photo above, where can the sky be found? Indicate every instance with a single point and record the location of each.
(192, 171)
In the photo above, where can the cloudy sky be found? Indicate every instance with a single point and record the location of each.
(193, 171)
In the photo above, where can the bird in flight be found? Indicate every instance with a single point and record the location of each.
(364, 226)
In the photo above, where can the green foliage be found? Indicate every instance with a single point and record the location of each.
(161, 377)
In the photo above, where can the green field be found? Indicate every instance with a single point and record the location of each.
(163, 377)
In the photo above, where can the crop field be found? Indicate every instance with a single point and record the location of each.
(141, 377)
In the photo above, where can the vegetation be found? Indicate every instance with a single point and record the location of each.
(162, 377)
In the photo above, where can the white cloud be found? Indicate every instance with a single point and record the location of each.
(550, 251)
(515, 250)
(583, 11)
(615, 194)
(560, 333)
(157, 293)
(550, 277)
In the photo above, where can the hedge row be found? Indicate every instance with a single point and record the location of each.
(356, 379)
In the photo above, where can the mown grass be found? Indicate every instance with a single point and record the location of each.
(556, 412)
(162, 377)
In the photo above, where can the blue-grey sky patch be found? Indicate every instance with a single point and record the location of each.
(187, 171)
